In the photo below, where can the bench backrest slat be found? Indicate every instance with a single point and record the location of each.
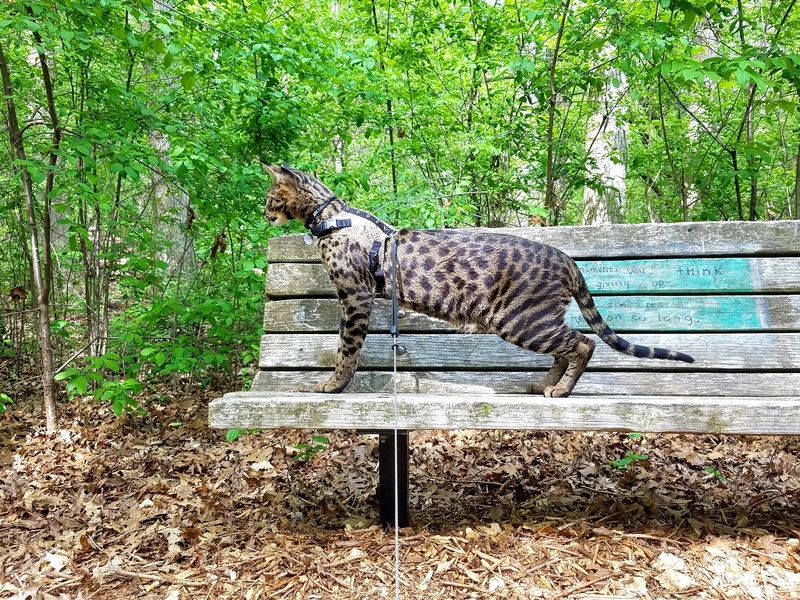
(624, 314)
(661, 240)
(718, 352)
(617, 277)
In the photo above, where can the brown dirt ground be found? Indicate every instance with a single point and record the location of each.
(159, 506)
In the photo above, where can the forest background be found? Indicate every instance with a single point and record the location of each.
(133, 242)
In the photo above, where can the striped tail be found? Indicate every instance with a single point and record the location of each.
(601, 328)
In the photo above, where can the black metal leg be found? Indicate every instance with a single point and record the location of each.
(386, 478)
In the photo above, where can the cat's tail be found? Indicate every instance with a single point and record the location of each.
(602, 329)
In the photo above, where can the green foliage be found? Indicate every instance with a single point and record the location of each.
(630, 458)
(233, 434)
(429, 114)
(5, 401)
(100, 377)
(317, 444)
(716, 474)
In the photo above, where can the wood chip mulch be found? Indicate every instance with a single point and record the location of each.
(159, 506)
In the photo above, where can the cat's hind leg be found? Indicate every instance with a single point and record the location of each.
(552, 377)
(571, 352)
(577, 360)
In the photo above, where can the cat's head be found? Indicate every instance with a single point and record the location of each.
(292, 195)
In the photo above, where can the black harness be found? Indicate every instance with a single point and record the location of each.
(323, 228)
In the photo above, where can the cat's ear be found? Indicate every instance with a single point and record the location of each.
(282, 172)
(269, 169)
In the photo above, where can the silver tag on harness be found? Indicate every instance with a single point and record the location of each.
(308, 239)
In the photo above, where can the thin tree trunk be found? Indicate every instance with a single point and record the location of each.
(751, 160)
(550, 200)
(677, 178)
(748, 125)
(171, 206)
(38, 263)
(737, 186)
(607, 148)
(797, 184)
(389, 107)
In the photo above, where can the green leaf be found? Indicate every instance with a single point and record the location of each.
(81, 384)
(187, 80)
(37, 175)
(742, 77)
(66, 374)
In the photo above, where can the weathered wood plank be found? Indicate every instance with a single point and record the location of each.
(733, 238)
(623, 313)
(322, 315)
(664, 276)
(748, 415)
(724, 352)
(599, 383)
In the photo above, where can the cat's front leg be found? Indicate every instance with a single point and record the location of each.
(356, 306)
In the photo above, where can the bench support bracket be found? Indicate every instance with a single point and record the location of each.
(386, 478)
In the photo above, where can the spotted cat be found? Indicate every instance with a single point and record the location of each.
(480, 282)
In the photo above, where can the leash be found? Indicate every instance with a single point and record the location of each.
(396, 350)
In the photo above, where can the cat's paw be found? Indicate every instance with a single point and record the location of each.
(329, 387)
(555, 392)
(536, 388)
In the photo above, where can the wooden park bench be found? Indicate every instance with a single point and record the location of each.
(726, 293)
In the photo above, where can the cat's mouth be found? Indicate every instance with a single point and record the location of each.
(276, 220)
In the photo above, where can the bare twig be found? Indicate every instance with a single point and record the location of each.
(159, 578)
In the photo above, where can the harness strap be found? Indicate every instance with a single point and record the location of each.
(320, 230)
(377, 272)
(311, 222)
(389, 231)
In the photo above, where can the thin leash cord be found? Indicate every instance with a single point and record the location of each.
(396, 493)
(395, 332)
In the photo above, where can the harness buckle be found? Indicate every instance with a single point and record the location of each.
(324, 228)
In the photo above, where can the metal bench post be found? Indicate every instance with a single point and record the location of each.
(386, 477)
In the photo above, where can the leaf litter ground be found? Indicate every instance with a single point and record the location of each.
(159, 506)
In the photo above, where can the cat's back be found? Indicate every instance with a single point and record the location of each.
(484, 250)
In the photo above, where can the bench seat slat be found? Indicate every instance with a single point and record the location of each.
(623, 313)
(712, 351)
(642, 240)
(599, 383)
(739, 415)
(694, 275)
